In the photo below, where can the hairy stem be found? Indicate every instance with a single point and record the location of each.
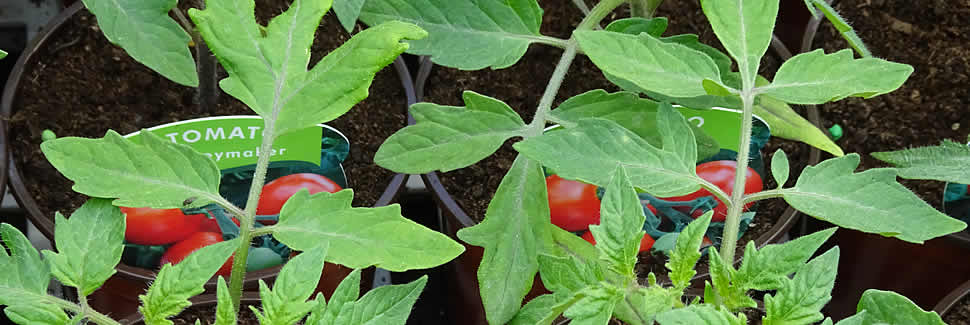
(732, 223)
(84, 309)
(605, 7)
(763, 195)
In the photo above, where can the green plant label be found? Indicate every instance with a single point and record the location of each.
(956, 200)
(722, 124)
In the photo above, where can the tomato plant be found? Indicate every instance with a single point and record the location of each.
(573, 205)
(721, 174)
(645, 244)
(182, 249)
(147, 226)
(276, 193)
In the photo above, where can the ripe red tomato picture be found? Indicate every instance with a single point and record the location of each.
(147, 226)
(182, 249)
(721, 174)
(276, 193)
(573, 205)
(210, 225)
(645, 244)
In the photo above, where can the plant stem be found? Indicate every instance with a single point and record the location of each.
(605, 7)
(729, 240)
(763, 195)
(582, 6)
(84, 309)
(644, 8)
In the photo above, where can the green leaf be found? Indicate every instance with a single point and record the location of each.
(636, 25)
(799, 301)
(116, 167)
(34, 311)
(687, 251)
(22, 269)
(779, 167)
(730, 293)
(595, 307)
(465, 34)
(269, 72)
(387, 305)
(621, 218)
(170, 292)
(287, 302)
(544, 309)
(346, 293)
(347, 12)
(567, 274)
(744, 27)
(702, 314)
(591, 151)
(630, 111)
(667, 68)
(766, 269)
(89, 245)
(816, 78)
(318, 311)
(857, 319)
(787, 124)
(892, 308)
(945, 162)
(149, 35)
(567, 244)
(225, 313)
(3, 54)
(870, 201)
(361, 237)
(644, 303)
(512, 234)
(447, 137)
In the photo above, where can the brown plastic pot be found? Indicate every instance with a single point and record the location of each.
(119, 295)
(467, 303)
(206, 300)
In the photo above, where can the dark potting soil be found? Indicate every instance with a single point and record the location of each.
(206, 315)
(81, 85)
(522, 85)
(959, 314)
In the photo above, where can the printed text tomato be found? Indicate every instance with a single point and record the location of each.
(573, 205)
(721, 174)
(645, 244)
(182, 249)
(147, 226)
(276, 193)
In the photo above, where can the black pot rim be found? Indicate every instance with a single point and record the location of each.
(952, 299)
(9, 169)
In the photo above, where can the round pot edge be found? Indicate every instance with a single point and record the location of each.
(952, 299)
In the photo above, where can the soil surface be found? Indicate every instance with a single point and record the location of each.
(522, 85)
(959, 314)
(206, 315)
(83, 86)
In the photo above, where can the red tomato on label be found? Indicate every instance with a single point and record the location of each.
(721, 174)
(147, 226)
(276, 193)
(645, 244)
(182, 249)
(573, 205)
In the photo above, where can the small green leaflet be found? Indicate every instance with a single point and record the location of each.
(590, 151)
(787, 124)
(744, 27)
(621, 218)
(269, 73)
(512, 235)
(700, 314)
(667, 68)
(89, 245)
(146, 31)
(869, 201)
(225, 313)
(361, 237)
(779, 167)
(287, 302)
(799, 301)
(347, 12)
(630, 111)
(945, 162)
(34, 310)
(687, 251)
(344, 296)
(446, 138)
(170, 292)
(729, 292)
(116, 167)
(317, 310)
(644, 303)
(465, 34)
(636, 25)
(841, 25)
(23, 269)
(595, 307)
(386, 305)
(887, 307)
(544, 309)
(816, 78)
(3, 54)
(767, 268)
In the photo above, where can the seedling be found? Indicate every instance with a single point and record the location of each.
(598, 146)
(268, 71)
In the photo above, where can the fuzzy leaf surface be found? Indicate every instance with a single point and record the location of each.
(667, 68)
(787, 124)
(225, 313)
(347, 12)
(591, 151)
(387, 305)
(887, 307)
(816, 78)
(465, 34)
(287, 302)
(344, 296)
(699, 314)
(268, 66)
(89, 245)
(149, 35)
(744, 27)
(686, 251)
(779, 167)
(33, 310)
(945, 162)
(176, 172)
(446, 138)
(595, 307)
(511, 234)
(22, 269)
(869, 201)
(361, 237)
(767, 268)
(645, 303)
(621, 219)
(544, 309)
(729, 292)
(799, 301)
(170, 292)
